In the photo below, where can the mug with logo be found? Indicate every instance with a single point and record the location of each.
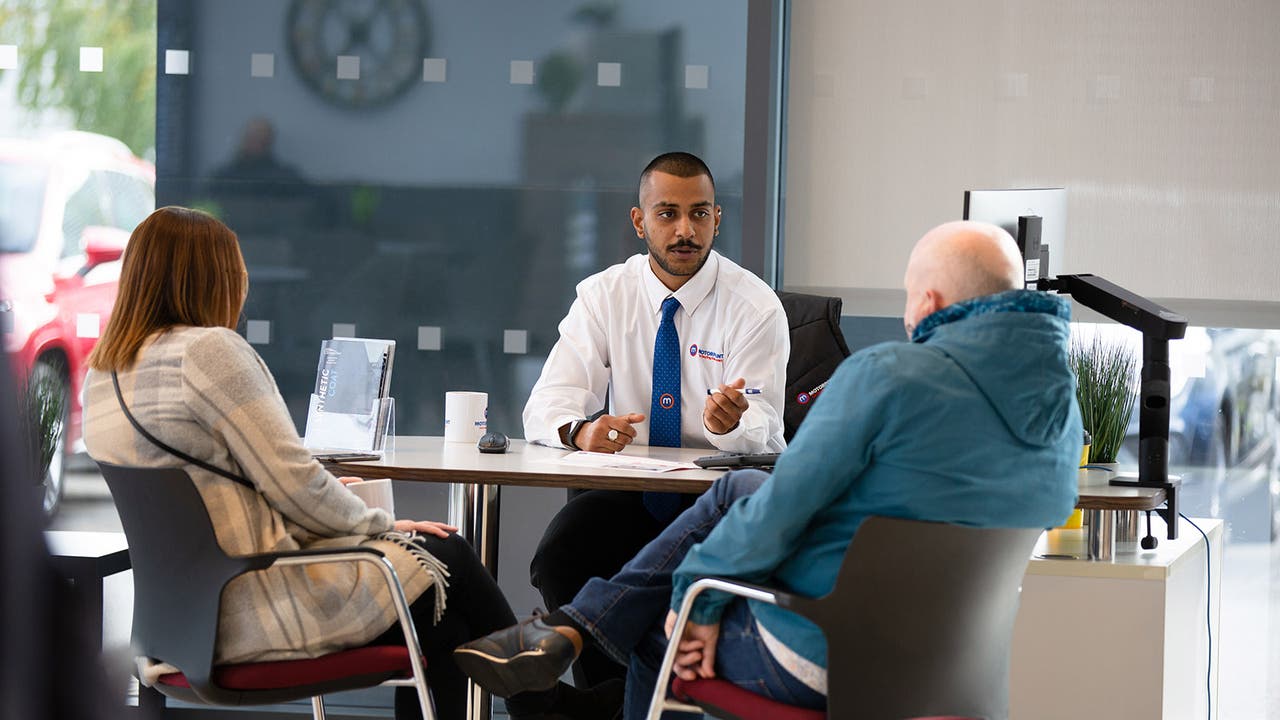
(466, 416)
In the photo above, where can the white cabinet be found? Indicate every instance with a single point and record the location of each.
(1124, 639)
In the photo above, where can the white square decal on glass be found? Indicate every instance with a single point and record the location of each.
(344, 329)
(609, 74)
(434, 69)
(87, 325)
(348, 67)
(90, 59)
(1013, 86)
(1106, 88)
(8, 57)
(177, 62)
(696, 77)
(1200, 89)
(521, 72)
(915, 87)
(257, 332)
(262, 65)
(428, 337)
(515, 342)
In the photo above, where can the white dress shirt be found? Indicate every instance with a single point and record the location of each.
(731, 325)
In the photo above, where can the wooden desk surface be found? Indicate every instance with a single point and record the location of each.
(431, 459)
(1096, 494)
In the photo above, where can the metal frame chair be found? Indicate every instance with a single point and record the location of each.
(919, 624)
(179, 572)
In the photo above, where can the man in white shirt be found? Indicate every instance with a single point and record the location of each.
(706, 369)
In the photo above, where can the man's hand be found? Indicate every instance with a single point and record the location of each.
(696, 653)
(595, 435)
(431, 527)
(724, 407)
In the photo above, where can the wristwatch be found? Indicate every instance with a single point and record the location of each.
(574, 427)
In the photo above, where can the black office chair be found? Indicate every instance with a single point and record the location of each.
(918, 625)
(179, 572)
(817, 349)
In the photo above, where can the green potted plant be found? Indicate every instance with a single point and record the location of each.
(42, 409)
(1106, 387)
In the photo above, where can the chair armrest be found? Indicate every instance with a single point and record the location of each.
(320, 552)
(699, 586)
(739, 588)
(357, 554)
(262, 561)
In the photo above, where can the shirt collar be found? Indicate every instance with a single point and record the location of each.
(691, 294)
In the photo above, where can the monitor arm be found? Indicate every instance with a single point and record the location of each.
(1158, 325)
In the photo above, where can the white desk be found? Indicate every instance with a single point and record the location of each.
(1123, 639)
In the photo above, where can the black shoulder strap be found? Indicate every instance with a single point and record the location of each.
(115, 380)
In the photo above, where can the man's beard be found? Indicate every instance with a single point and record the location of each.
(661, 258)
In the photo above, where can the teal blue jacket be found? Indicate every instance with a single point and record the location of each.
(973, 422)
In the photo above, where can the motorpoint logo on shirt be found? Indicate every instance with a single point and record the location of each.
(695, 351)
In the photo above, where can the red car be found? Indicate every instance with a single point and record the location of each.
(67, 206)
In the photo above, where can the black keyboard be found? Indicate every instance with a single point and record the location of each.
(738, 460)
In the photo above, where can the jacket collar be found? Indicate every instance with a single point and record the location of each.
(1010, 301)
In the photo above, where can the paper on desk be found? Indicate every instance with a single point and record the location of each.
(623, 462)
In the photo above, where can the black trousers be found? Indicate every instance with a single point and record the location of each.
(476, 607)
(593, 535)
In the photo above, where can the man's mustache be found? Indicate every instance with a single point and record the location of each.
(680, 245)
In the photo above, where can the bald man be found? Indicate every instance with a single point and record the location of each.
(972, 421)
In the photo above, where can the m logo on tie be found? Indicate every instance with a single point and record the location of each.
(666, 401)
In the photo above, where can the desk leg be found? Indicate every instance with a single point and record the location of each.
(150, 703)
(473, 509)
(1100, 540)
(88, 585)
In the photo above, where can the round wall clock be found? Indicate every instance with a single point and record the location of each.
(389, 38)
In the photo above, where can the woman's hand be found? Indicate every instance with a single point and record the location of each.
(350, 480)
(432, 527)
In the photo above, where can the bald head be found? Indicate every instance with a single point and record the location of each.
(958, 261)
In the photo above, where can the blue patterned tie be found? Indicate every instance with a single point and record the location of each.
(664, 410)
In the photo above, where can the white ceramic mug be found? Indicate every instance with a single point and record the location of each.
(466, 416)
(375, 494)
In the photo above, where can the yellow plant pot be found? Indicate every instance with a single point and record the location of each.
(1075, 520)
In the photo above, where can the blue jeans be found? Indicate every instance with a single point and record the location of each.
(625, 614)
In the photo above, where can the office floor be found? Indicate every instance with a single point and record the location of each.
(1249, 642)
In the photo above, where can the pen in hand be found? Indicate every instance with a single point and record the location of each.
(744, 391)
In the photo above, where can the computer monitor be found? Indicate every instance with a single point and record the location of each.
(1036, 218)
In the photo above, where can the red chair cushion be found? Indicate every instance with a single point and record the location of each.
(370, 660)
(746, 705)
(743, 704)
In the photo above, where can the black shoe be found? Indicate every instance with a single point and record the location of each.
(525, 657)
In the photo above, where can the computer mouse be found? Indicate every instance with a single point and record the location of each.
(494, 442)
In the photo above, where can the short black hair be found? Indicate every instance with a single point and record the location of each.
(680, 164)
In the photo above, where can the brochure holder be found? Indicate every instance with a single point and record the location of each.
(374, 431)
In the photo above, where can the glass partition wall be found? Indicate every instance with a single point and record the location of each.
(444, 173)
